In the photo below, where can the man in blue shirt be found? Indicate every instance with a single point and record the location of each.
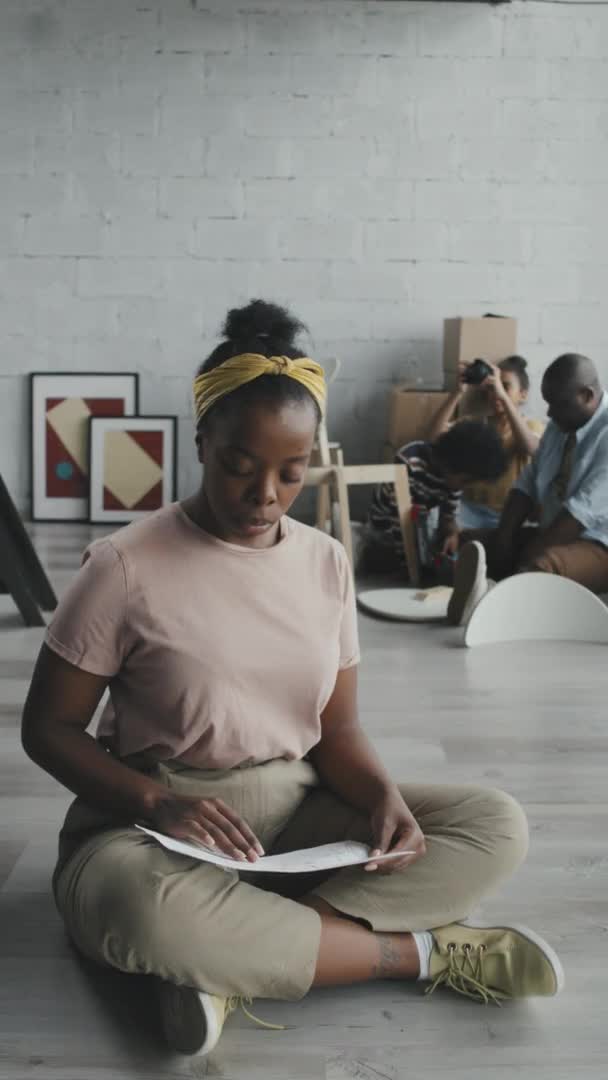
(564, 489)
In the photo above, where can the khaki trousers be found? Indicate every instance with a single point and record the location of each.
(129, 903)
(583, 561)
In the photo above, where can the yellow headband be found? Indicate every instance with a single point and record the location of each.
(213, 385)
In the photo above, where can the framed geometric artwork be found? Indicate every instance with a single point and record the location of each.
(61, 405)
(133, 467)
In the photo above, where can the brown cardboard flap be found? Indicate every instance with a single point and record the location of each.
(411, 413)
(464, 340)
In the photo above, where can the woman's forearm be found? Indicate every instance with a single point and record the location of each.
(444, 416)
(527, 442)
(349, 766)
(82, 765)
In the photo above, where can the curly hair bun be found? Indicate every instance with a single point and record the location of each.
(518, 363)
(262, 320)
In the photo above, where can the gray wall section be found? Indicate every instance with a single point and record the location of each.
(377, 166)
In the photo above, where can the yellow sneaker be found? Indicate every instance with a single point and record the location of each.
(192, 1020)
(494, 963)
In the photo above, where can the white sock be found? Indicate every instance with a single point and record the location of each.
(424, 943)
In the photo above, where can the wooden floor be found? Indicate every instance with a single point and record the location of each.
(531, 719)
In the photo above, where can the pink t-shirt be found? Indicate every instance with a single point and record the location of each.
(215, 654)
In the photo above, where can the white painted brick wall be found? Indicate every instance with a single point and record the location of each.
(337, 240)
(406, 241)
(376, 165)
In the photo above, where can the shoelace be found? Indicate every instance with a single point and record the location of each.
(237, 1001)
(464, 974)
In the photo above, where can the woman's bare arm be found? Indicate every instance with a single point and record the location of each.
(349, 766)
(444, 417)
(59, 708)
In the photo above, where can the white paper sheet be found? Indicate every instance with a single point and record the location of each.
(325, 857)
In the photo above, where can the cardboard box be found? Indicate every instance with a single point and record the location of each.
(410, 416)
(491, 337)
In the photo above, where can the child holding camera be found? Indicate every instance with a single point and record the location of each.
(505, 388)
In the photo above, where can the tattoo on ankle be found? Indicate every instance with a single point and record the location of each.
(390, 961)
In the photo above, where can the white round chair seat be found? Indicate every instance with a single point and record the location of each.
(538, 607)
(406, 605)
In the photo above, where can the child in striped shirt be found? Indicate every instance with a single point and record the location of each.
(469, 451)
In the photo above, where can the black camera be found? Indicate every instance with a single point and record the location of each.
(475, 373)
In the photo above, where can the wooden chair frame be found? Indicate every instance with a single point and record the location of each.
(336, 478)
(326, 453)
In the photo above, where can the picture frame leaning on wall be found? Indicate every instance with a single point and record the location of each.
(61, 403)
(133, 467)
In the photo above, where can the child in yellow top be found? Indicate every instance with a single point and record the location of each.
(506, 391)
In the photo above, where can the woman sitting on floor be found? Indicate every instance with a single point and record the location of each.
(226, 632)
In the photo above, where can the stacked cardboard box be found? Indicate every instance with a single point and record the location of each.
(492, 338)
(410, 416)
(411, 411)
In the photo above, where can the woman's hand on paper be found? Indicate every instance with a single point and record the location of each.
(207, 822)
(394, 828)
